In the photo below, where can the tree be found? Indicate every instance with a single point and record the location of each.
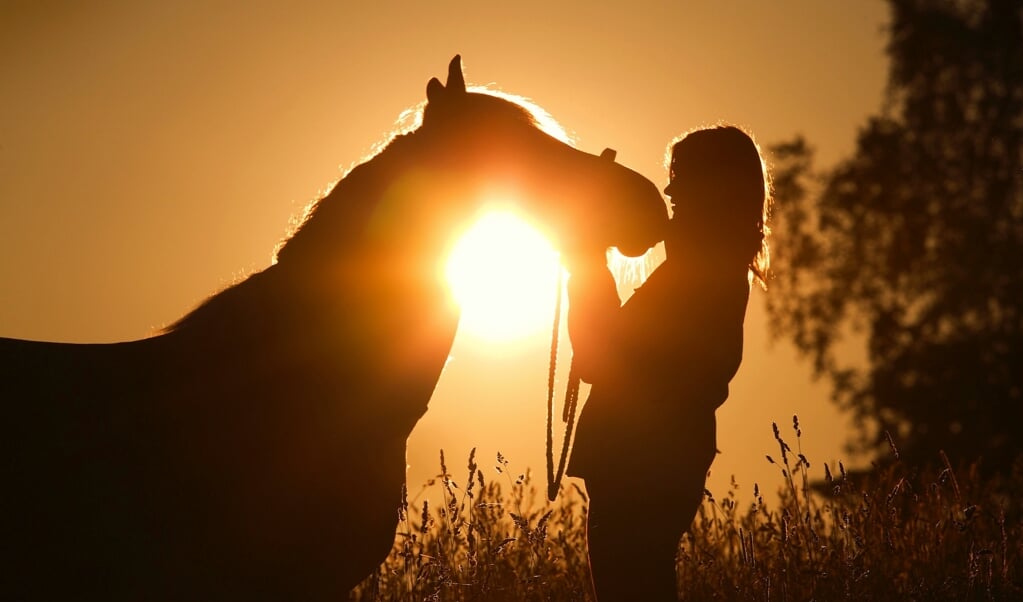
(915, 242)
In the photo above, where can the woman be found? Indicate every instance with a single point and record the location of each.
(660, 365)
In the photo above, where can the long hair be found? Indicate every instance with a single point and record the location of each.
(719, 180)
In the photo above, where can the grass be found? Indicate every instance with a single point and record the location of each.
(898, 533)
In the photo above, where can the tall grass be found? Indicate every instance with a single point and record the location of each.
(479, 543)
(896, 533)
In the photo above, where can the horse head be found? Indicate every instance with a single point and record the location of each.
(583, 202)
(409, 201)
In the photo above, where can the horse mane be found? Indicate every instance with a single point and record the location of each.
(334, 220)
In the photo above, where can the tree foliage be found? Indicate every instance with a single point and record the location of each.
(914, 244)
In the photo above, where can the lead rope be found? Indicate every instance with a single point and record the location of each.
(571, 401)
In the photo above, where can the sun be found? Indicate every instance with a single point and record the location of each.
(503, 274)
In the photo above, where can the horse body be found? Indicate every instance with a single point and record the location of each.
(179, 464)
(257, 448)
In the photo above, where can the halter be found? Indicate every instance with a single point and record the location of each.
(571, 401)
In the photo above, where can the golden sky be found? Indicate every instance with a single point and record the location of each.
(152, 153)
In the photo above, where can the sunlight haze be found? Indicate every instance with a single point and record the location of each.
(504, 276)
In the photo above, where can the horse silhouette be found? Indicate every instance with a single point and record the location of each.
(256, 448)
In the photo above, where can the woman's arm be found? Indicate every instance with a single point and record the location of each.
(593, 309)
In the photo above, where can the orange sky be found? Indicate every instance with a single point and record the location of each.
(153, 153)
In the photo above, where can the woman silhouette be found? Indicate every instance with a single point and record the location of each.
(660, 365)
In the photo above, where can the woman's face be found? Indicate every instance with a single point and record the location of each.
(674, 188)
(672, 174)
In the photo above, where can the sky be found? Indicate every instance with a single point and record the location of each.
(153, 153)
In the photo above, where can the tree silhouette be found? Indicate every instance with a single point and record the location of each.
(915, 242)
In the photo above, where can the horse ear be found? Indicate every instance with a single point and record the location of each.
(434, 91)
(456, 81)
(609, 154)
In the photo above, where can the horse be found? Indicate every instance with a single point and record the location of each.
(255, 449)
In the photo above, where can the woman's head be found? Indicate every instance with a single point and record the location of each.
(721, 197)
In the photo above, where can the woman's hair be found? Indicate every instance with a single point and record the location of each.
(720, 188)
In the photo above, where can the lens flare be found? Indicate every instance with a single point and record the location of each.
(503, 274)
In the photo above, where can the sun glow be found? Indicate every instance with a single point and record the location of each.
(503, 273)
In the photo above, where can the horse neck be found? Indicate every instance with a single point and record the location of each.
(399, 207)
(355, 238)
(339, 221)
